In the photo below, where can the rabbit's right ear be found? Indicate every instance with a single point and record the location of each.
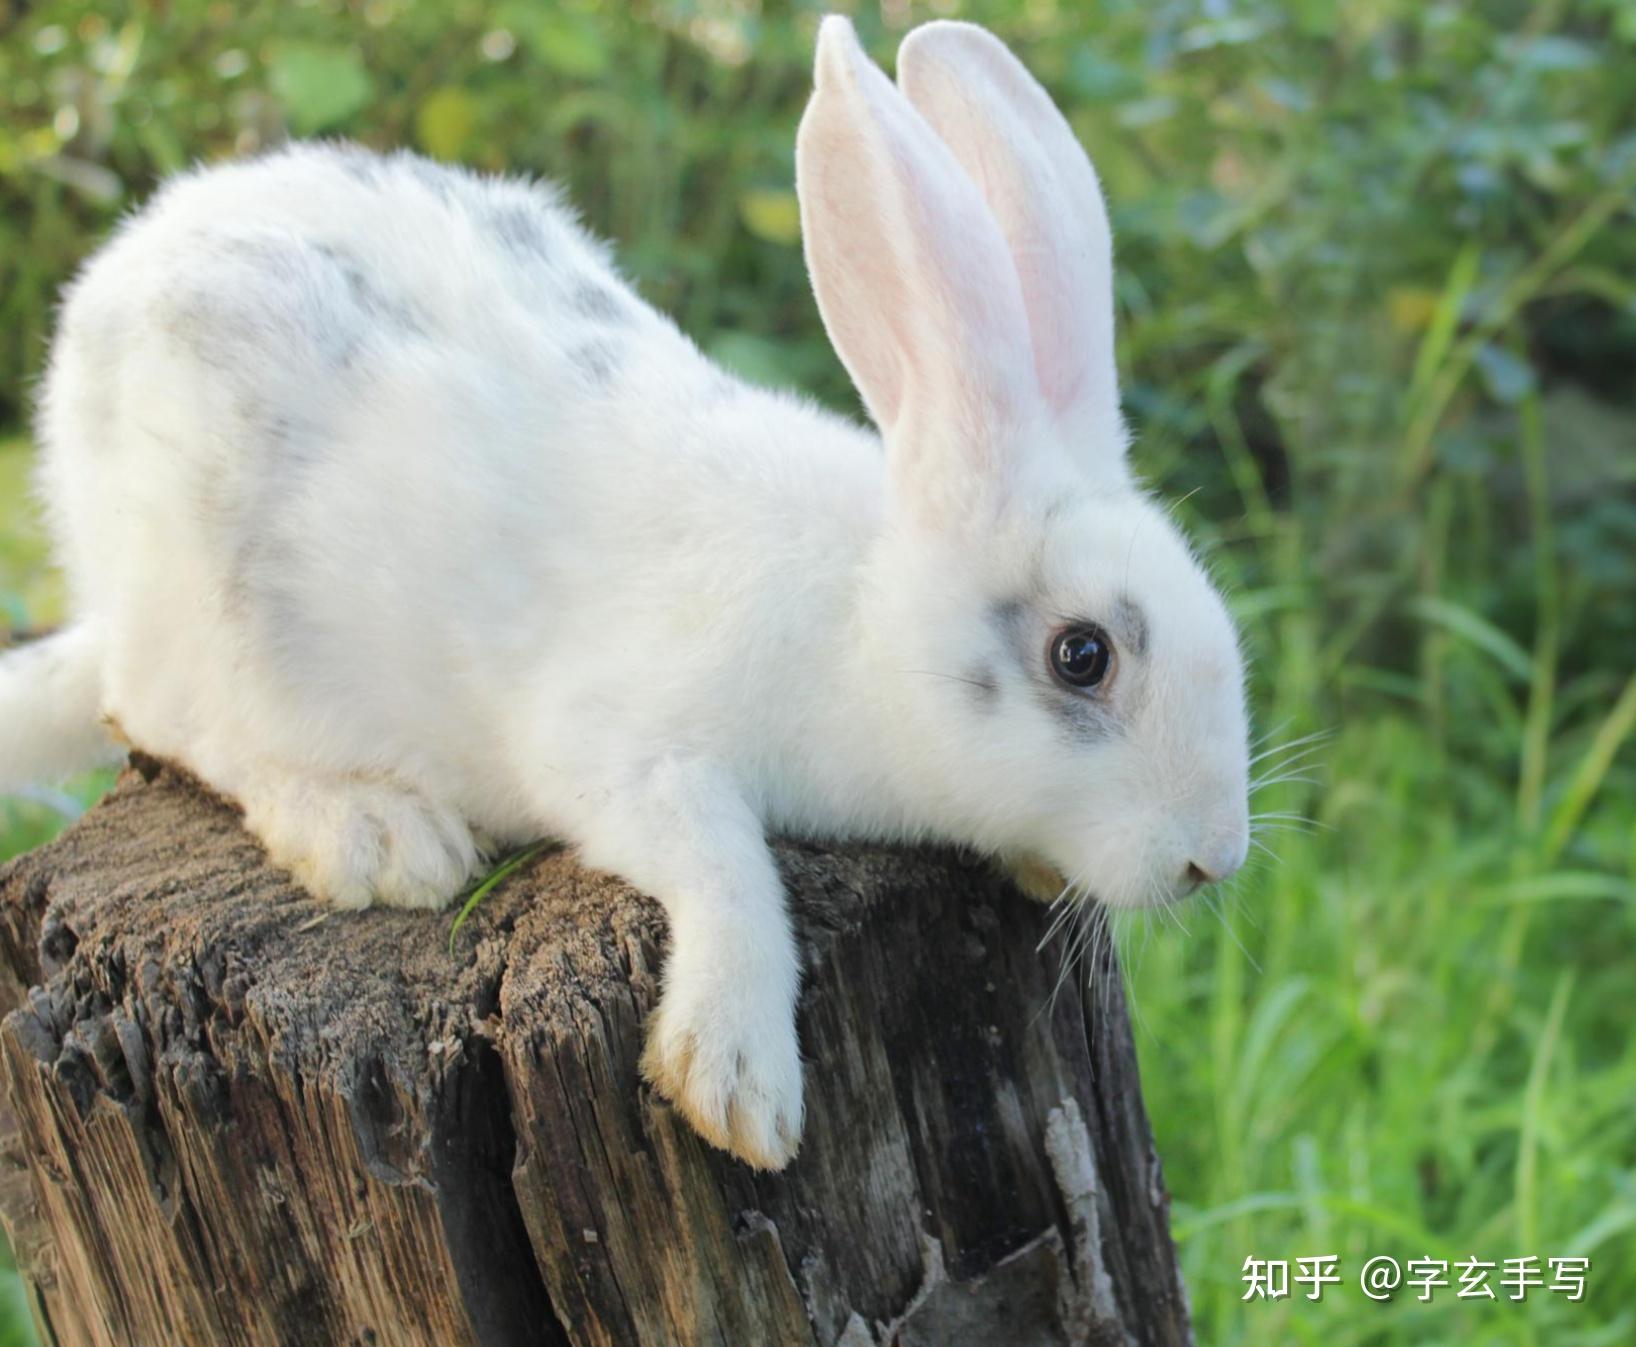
(916, 287)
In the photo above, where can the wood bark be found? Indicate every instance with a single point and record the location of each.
(232, 1117)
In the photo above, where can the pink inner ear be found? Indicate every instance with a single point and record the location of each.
(1058, 351)
(914, 281)
(869, 345)
(1037, 181)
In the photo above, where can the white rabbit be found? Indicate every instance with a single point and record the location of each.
(394, 515)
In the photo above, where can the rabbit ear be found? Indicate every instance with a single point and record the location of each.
(915, 285)
(1019, 150)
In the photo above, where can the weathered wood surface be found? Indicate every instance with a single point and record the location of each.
(233, 1118)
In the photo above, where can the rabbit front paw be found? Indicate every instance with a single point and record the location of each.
(728, 1058)
(353, 843)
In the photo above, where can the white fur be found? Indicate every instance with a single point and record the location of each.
(389, 510)
(50, 709)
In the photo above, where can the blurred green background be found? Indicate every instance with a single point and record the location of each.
(1378, 324)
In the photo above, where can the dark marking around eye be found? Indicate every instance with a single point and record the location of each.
(985, 686)
(1008, 616)
(1131, 623)
(1080, 717)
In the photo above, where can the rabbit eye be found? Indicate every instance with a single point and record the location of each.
(1081, 656)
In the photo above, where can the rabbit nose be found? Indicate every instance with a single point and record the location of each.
(1222, 864)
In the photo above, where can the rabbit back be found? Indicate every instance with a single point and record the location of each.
(316, 415)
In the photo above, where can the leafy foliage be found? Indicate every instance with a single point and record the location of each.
(1377, 315)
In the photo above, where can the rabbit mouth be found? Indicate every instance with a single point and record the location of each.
(1039, 879)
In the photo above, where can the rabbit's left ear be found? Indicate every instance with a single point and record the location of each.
(916, 288)
(1039, 184)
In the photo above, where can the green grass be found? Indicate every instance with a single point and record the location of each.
(1414, 1042)
(1376, 314)
(473, 899)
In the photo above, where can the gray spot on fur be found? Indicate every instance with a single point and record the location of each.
(520, 226)
(234, 301)
(204, 330)
(593, 300)
(245, 296)
(596, 361)
(246, 509)
(264, 532)
(283, 440)
(213, 323)
(372, 301)
(295, 293)
(264, 592)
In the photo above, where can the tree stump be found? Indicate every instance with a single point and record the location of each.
(234, 1117)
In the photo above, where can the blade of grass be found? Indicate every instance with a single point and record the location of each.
(492, 881)
(1533, 1104)
(1461, 621)
(1434, 346)
(1593, 767)
(1543, 674)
